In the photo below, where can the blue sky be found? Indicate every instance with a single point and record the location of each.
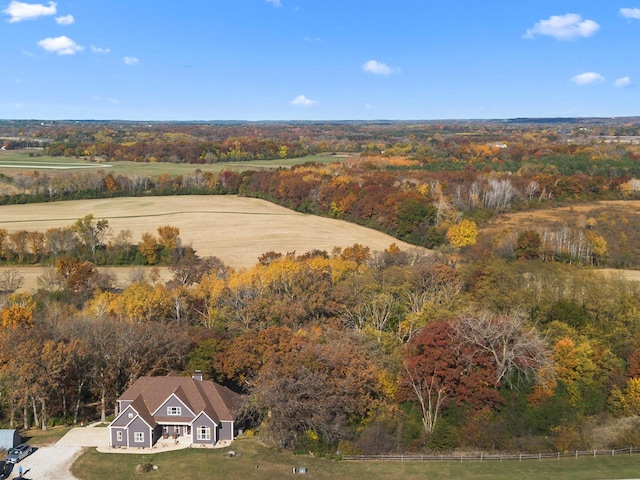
(318, 59)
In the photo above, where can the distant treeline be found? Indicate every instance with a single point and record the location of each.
(450, 145)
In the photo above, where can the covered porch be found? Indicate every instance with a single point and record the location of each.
(176, 433)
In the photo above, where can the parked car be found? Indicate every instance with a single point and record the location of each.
(18, 453)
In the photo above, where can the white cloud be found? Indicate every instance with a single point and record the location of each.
(378, 68)
(588, 78)
(630, 13)
(131, 61)
(564, 27)
(65, 20)
(95, 49)
(623, 82)
(275, 3)
(19, 11)
(62, 45)
(303, 101)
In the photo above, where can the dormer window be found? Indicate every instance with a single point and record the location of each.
(173, 411)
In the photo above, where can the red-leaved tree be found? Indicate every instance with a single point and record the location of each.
(437, 371)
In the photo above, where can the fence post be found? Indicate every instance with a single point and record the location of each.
(540, 456)
(613, 452)
(576, 454)
(594, 453)
(520, 457)
(480, 456)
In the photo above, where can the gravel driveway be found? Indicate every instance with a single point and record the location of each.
(54, 462)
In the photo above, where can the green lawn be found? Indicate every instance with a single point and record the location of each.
(259, 462)
(41, 438)
(13, 162)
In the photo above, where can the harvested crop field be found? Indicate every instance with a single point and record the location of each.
(235, 229)
(573, 215)
(533, 218)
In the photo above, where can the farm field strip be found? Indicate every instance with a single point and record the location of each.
(122, 275)
(20, 160)
(53, 166)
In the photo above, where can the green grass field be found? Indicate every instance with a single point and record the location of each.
(12, 162)
(259, 462)
(42, 438)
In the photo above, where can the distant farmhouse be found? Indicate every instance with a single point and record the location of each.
(195, 410)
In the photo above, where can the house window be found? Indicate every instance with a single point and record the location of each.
(138, 437)
(119, 435)
(130, 414)
(174, 410)
(204, 433)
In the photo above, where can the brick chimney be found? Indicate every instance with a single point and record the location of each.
(197, 375)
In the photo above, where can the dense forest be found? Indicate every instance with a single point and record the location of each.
(494, 342)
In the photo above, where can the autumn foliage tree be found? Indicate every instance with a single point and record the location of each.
(439, 371)
(91, 233)
(514, 348)
(463, 234)
(306, 384)
(528, 245)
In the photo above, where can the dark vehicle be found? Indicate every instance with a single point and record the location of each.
(18, 453)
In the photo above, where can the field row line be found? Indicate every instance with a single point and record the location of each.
(163, 214)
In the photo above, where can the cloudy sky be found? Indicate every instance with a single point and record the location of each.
(318, 59)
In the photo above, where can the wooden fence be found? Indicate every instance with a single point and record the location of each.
(486, 457)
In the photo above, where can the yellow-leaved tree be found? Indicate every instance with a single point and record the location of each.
(463, 234)
(19, 312)
(626, 402)
(16, 316)
(598, 247)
